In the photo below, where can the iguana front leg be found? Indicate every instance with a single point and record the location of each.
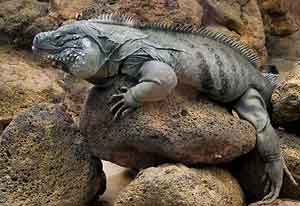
(251, 107)
(156, 81)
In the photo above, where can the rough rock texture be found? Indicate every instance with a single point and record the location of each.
(286, 102)
(281, 17)
(249, 170)
(182, 128)
(282, 203)
(24, 83)
(179, 185)
(76, 91)
(21, 19)
(68, 9)
(284, 51)
(44, 161)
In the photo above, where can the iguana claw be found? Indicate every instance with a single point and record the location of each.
(124, 103)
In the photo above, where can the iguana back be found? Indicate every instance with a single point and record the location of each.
(217, 65)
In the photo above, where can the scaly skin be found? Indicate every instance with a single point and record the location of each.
(159, 59)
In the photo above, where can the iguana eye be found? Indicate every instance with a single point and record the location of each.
(57, 36)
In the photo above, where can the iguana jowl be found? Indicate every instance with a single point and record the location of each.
(157, 57)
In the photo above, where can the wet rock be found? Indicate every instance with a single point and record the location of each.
(183, 128)
(45, 161)
(179, 185)
(286, 102)
(24, 83)
(249, 170)
(282, 203)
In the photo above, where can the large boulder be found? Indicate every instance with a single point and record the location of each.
(182, 128)
(249, 170)
(168, 185)
(24, 83)
(44, 160)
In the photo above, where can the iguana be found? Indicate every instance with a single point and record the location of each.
(156, 57)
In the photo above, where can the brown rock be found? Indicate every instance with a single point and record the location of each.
(183, 128)
(16, 16)
(163, 11)
(286, 102)
(241, 17)
(68, 9)
(249, 170)
(179, 185)
(76, 91)
(280, 16)
(44, 161)
(284, 51)
(24, 83)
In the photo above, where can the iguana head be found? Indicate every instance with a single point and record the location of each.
(71, 48)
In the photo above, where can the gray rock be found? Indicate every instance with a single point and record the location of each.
(45, 161)
(249, 170)
(183, 128)
(169, 185)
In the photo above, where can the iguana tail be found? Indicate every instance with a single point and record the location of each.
(272, 78)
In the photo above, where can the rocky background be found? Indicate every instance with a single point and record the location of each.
(45, 160)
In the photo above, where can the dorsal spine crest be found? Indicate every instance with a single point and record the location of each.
(121, 19)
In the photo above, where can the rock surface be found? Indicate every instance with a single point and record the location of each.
(282, 203)
(281, 17)
(249, 170)
(286, 102)
(284, 51)
(45, 161)
(24, 83)
(21, 19)
(183, 128)
(179, 185)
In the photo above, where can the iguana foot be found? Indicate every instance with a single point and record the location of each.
(123, 103)
(273, 181)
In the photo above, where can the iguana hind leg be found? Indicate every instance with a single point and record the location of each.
(252, 108)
